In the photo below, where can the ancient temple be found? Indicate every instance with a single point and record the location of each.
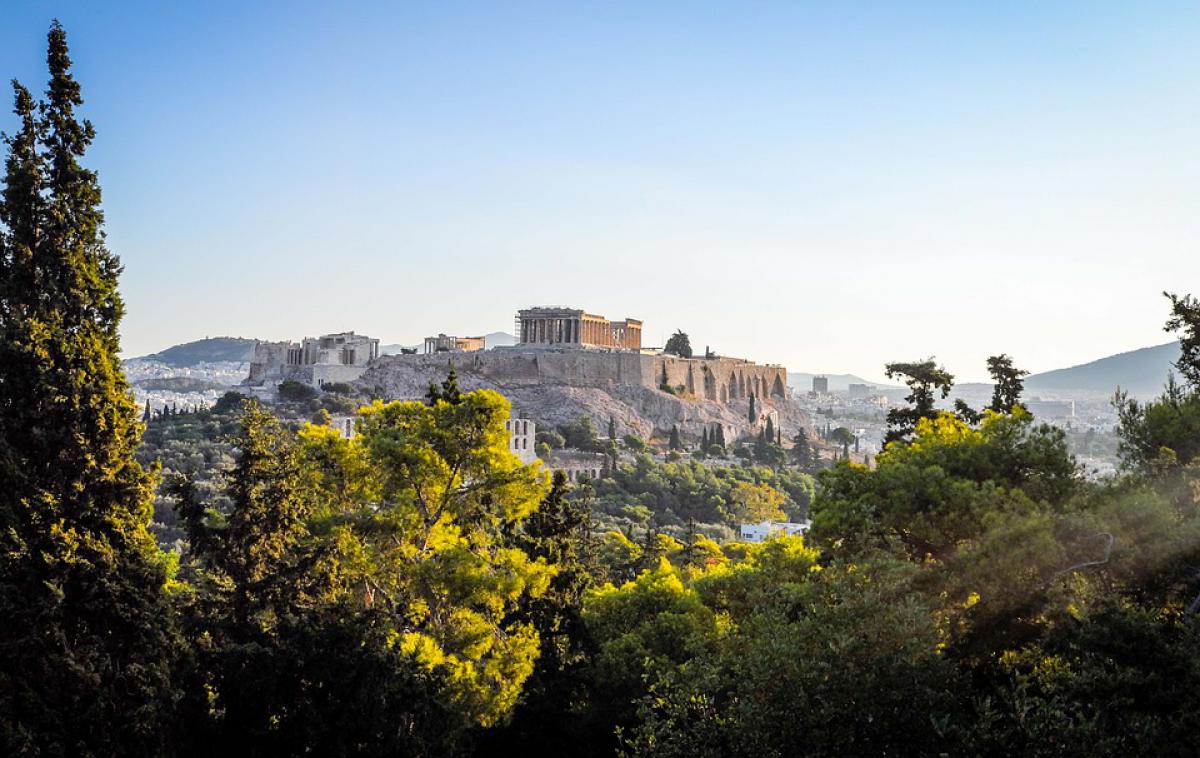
(571, 327)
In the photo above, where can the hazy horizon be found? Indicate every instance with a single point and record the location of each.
(827, 189)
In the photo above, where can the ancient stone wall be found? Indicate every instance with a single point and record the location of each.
(268, 358)
(723, 380)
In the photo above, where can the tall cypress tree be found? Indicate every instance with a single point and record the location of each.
(752, 414)
(86, 631)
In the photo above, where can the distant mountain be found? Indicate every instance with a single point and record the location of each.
(802, 382)
(1139, 372)
(208, 350)
(499, 339)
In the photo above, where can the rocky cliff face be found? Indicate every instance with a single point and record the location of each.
(649, 413)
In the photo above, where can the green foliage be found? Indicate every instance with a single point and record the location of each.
(929, 495)
(679, 344)
(86, 637)
(580, 434)
(1185, 318)
(292, 391)
(552, 438)
(844, 437)
(196, 446)
(337, 388)
(1160, 434)
(925, 380)
(678, 492)
(1009, 383)
(642, 630)
(802, 452)
(448, 392)
(805, 649)
(557, 534)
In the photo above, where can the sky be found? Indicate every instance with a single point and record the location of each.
(826, 186)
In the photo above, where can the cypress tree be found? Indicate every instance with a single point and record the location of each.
(752, 416)
(801, 450)
(704, 438)
(674, 443)
(769, 432)
(612, 428)
(146, 413)
(83, 644)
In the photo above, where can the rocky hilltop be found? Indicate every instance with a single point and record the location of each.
(556, 386)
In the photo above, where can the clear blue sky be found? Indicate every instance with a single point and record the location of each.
(824, 186)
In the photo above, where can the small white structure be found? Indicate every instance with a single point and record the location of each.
(344, 425)
(522, 434)
(767, 529)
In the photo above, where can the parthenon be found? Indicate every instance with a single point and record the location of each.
(574, 327)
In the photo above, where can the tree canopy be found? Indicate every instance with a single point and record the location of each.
(679, 344)
(86, 638)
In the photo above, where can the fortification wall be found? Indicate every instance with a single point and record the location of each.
(722, 380)
(269, 357)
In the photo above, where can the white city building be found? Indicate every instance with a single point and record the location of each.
(767, 529)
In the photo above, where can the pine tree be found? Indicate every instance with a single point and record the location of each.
(86, 630)
(925, 380)
(1006, 394)
(448, 392)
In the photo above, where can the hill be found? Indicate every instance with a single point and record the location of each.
(207, 350)
(499, 339)
(1139, 372)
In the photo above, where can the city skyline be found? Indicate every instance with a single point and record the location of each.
(827, 191)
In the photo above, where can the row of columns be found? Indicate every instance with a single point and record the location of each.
(571, 331)
(575, 330)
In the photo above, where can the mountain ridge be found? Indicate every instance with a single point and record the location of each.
(1140, 372)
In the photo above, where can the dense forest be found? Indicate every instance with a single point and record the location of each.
(416, 590)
